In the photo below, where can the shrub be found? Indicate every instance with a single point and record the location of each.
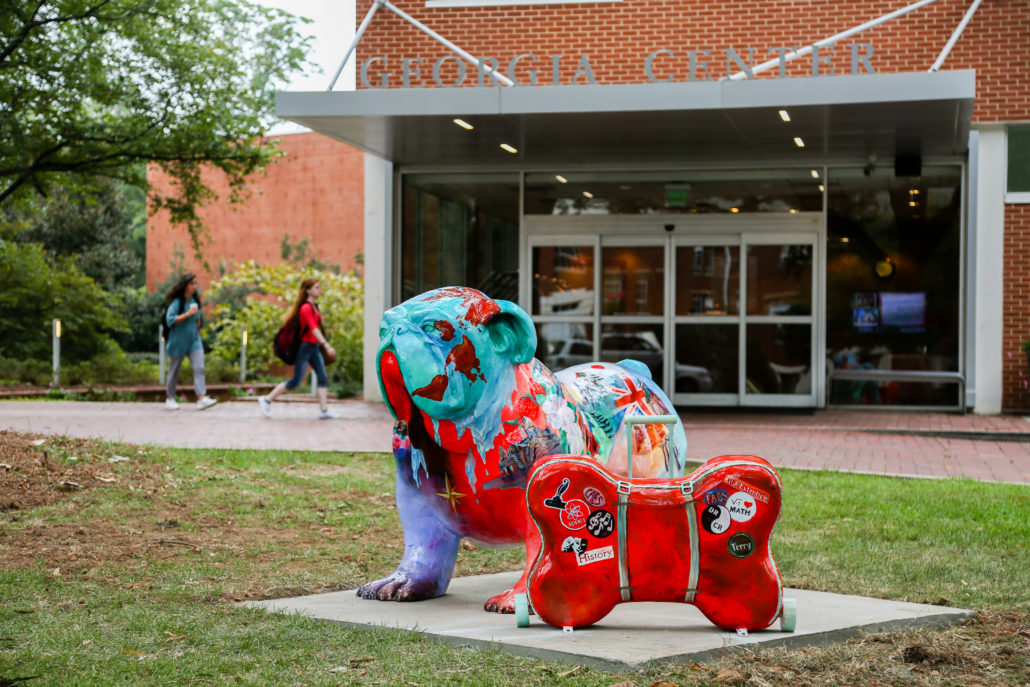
(253, 299)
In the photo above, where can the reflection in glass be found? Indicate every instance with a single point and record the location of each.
(905, 317)
(460, 230)
(564, 344)
(706, 358)
(633, 280)
(779, 359)
(640, 342)
(708, 280)
(669, 192)
(563, 280)
(779, 280)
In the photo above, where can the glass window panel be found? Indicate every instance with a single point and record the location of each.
(633, 280)
(640, 342)
(563, 280)
(779, 280)
(564, 344)
(706, 358)
(892, 280)
(460, 230)
(672, 192)
(708, 280)
(892, 393)
(779, 359)
(1019, 158)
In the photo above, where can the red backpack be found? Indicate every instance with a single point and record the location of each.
(287, 341)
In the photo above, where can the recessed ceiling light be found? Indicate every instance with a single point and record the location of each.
(844, 239)
(821, 188)
(815, 173)
(798, 142)
(463, 124)
(913, 191)
(734, 209)
(560, 178)
(588, 194)
(793, 211)
(912, 203)
(784, 115)
(509, 148)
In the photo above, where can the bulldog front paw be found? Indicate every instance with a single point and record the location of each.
(401, 588)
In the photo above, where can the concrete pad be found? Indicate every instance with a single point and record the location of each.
(631, 635)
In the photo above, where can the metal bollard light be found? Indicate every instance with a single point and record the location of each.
(243, 357)
(57, 350)
(160, 357)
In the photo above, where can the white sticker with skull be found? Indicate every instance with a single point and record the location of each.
(742, 506)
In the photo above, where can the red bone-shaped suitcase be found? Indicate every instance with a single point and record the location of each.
(702, 539)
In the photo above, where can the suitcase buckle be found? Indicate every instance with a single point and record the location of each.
(687, 489)
(623, 487)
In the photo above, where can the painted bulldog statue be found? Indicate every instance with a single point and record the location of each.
(475, 410)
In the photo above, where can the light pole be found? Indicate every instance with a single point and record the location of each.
(57, 351)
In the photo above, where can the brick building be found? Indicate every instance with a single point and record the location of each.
(315, 191)
(785, 203)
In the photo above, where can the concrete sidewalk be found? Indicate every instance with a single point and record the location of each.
(992, 448)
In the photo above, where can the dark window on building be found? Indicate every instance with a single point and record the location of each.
(1019, 159)
(460, 230)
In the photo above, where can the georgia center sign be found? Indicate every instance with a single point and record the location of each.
(663, 65)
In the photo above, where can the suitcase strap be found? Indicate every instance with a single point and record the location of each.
(687, 488)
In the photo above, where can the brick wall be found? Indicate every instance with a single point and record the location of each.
(618, 37)
(315, 191)
(1016, 308)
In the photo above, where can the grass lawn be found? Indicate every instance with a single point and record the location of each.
(121, 565)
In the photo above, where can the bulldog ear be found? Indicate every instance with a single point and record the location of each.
(511, 331)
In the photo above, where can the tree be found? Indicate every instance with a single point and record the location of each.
(94, 89)
(34, 290)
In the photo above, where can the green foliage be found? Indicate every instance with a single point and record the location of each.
(269, 292)
(93, 227)
(96, 90)
(300, 254)
(34, 290)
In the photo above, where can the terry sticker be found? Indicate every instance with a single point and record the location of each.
(741, 545)
(745, 487)
(594, 497)
(602, 554)
(715, 519)
(716, 497)
(601, 524)
(742, 506)
(574, 545)
(574, 517)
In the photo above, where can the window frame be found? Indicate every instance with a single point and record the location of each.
(1020, 197)
(447, 4)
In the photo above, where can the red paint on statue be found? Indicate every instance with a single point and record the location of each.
(434, 390)
(481, 311)
(393, 382)
(446, 329)
(463, 356)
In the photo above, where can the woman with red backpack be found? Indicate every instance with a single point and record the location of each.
(314, 349)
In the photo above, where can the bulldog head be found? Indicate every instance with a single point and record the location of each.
(445, 349)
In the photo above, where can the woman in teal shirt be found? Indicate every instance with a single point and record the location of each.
(183, 320)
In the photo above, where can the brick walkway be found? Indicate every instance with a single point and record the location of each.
(995, 448)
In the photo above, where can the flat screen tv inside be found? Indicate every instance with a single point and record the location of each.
(889, 311)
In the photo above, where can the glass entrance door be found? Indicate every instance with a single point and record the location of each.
(724, 317)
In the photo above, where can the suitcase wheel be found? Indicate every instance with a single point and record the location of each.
(789, 615)
(521, 610)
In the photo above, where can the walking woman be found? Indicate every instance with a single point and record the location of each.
(183, 319)
(312, 345)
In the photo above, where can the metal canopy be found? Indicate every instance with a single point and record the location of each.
(705, 123)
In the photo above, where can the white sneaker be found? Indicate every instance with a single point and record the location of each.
(206, 402)
(328, 414)
(171, 404)
(265, 405)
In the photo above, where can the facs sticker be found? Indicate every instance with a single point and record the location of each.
(574, 517)
(741, 545)
(715, 519)
(574, 545)
(742, 506)
(594, 497)
(601, 523)
(716, 497)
